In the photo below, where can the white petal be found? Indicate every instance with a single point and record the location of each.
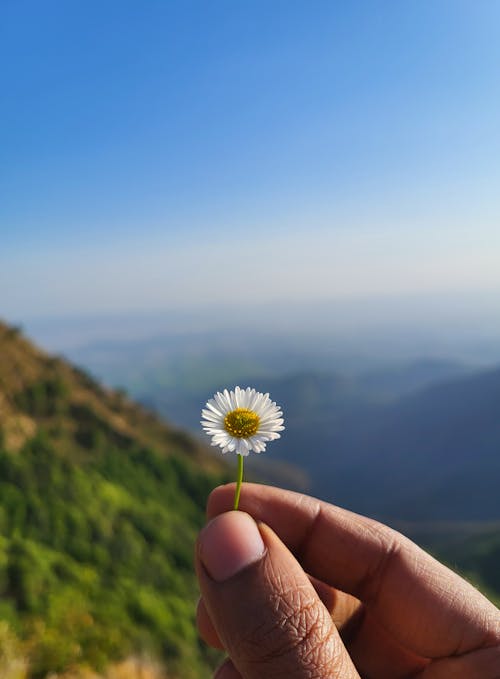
(210, 413)
(220, 437)
(213, 407)
(222, 403)
(245, 398)
(242, 449)
(231, 399)
(253, 397)
(211, 430)
(214, 419)
(271, 417)
(259, 403)
(270, 427)
(260, 447)
(239, 394)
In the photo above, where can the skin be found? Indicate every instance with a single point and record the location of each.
(335, 595)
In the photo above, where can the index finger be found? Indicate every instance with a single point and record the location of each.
(426, 606)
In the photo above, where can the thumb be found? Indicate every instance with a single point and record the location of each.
(262, 605)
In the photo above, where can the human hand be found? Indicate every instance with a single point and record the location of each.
(312, 591)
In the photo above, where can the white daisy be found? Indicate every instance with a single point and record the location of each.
(242, 420)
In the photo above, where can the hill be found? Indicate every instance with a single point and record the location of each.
(429, 455)
(100, 504)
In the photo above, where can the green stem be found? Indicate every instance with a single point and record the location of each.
(238, 482)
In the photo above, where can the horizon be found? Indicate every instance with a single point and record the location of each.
(465, 328)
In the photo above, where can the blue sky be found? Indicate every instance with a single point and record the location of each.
(167, 154)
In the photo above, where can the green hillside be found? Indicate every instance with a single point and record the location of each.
(471, 548)
(478, 557)
(100, 503)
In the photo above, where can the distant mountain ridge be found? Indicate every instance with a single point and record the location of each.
(430, 454)
(404, 378)
(435, 453)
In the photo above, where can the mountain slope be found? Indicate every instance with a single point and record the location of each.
(471, 547)
(433, 454)
(100, 503)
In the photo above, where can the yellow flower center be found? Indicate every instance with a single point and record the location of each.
(242, 423)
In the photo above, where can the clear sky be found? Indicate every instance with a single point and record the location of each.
(174, 153)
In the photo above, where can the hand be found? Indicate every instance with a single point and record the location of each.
(312, 591)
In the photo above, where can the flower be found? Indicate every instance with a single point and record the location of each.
(242, 420)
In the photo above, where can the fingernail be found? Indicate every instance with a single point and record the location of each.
(230, 543)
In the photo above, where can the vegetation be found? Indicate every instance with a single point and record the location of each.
(472, 548)
(99, 507)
